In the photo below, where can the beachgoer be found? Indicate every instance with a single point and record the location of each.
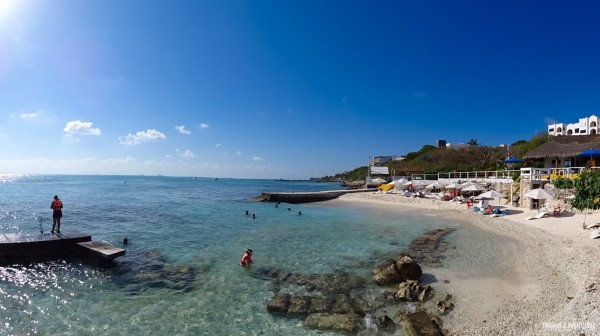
(299, 213)
(56, 207)
(277, 205)
(489, 209)
(289, 209)
(125, 241)
(247, 213)
(247, 258)
(253, 216)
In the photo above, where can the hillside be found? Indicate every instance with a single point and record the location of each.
(430, 159)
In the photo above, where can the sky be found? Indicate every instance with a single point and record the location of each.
(281, 89)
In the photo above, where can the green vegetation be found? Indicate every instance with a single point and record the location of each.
(587, 191)
(430, 159)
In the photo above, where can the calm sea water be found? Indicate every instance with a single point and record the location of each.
(197, 224)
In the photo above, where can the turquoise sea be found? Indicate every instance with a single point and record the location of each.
(195, 228)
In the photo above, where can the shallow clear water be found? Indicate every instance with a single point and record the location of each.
(201, 224)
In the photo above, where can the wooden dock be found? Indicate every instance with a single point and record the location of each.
(305, 197)
(22, 247)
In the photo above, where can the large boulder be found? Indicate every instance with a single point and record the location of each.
(393, 271)
(408, 268)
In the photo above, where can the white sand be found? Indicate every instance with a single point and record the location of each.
(546, 291)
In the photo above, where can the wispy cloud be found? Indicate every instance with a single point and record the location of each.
(186, 154)
(239, 152)
(78, 127)
(204, 126)
(257, 158)
(142, 137)
(181, 129)
(218, 145)
(32, 115)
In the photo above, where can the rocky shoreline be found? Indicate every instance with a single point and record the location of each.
(550, 289)
(338, 300)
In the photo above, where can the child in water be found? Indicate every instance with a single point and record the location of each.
(247, 258)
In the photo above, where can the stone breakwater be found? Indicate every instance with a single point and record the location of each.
(339, 300)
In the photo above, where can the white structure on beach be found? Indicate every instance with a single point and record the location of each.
(585, 126)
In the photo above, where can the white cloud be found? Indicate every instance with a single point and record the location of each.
(182, 130)
(257, 158)
(218, 145)
(81, 128)
(141, 137)
(239, 152)
(187, 153)
(32, 115)
(204, 126)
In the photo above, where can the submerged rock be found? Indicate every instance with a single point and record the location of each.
(138, 272)
(279, 304)
(428, 247)
(345, 322)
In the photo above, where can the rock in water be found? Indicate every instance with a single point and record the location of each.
(344, 322)
(280, 303)
(419, 324)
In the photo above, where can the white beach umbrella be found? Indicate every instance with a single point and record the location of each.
(473, 187)
(491, 194)
(378, 180)
(454, 186)
(539, 194)
(435, 185)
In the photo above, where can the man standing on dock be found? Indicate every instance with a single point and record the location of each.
(56, 207)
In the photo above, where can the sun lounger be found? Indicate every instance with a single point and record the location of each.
(594, 234)
(537, 216)
(593, 225)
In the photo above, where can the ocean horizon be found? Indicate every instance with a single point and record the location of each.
(181, 272)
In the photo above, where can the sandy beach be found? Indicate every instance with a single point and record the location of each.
(552, 286)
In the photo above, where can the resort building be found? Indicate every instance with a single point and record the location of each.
(585, 126)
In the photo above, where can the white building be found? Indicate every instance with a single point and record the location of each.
(585, 126)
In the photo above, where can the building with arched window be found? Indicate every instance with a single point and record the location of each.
(585, 126)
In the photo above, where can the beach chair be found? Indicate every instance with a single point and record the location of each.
(537, 216)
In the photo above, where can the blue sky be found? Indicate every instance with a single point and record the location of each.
(281, 89)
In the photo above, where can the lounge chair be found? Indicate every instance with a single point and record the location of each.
(593, 225)
(537, 216)
(595, 234)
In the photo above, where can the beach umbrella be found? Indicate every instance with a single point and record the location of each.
(538, 194)
(435, 185)
(491, 194)
(473, 187)
(591, 153)
(513, 160)
(454, 186)
(378, 180)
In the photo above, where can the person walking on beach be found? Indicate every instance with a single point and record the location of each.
(56, 207)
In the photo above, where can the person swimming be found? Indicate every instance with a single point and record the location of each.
(125, 240)
(246, 258)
